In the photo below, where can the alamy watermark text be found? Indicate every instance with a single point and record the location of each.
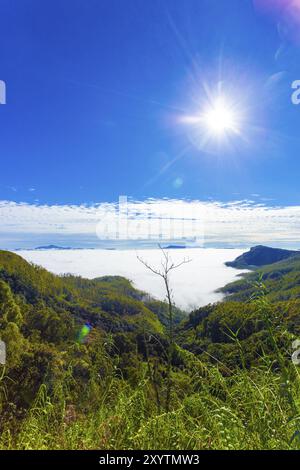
(296, 92)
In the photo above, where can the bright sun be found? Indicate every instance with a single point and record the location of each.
(220, 118)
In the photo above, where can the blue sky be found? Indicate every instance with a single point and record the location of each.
(96, 91)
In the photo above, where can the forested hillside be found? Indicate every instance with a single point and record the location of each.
(210, 330)
(94, 364)
(282, 281)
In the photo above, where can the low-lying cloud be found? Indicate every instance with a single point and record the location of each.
(193, 284)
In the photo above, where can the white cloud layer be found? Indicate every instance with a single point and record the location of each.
(238, 223)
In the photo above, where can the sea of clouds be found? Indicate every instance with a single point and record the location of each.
(215, 224)
(193, 284)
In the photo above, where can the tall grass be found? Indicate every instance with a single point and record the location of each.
(245, 411)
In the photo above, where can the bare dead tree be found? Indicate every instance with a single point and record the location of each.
(167, 266)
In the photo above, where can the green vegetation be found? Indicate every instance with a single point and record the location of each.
(282, 281)
(234, 385)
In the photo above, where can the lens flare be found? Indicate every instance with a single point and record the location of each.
(286, 15)
(84, 332)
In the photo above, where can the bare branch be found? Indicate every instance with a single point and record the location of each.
(147, 265)
(167, 266)
(175, 266)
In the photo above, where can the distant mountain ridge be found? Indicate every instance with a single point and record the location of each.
(50, 247)
(260, 256)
